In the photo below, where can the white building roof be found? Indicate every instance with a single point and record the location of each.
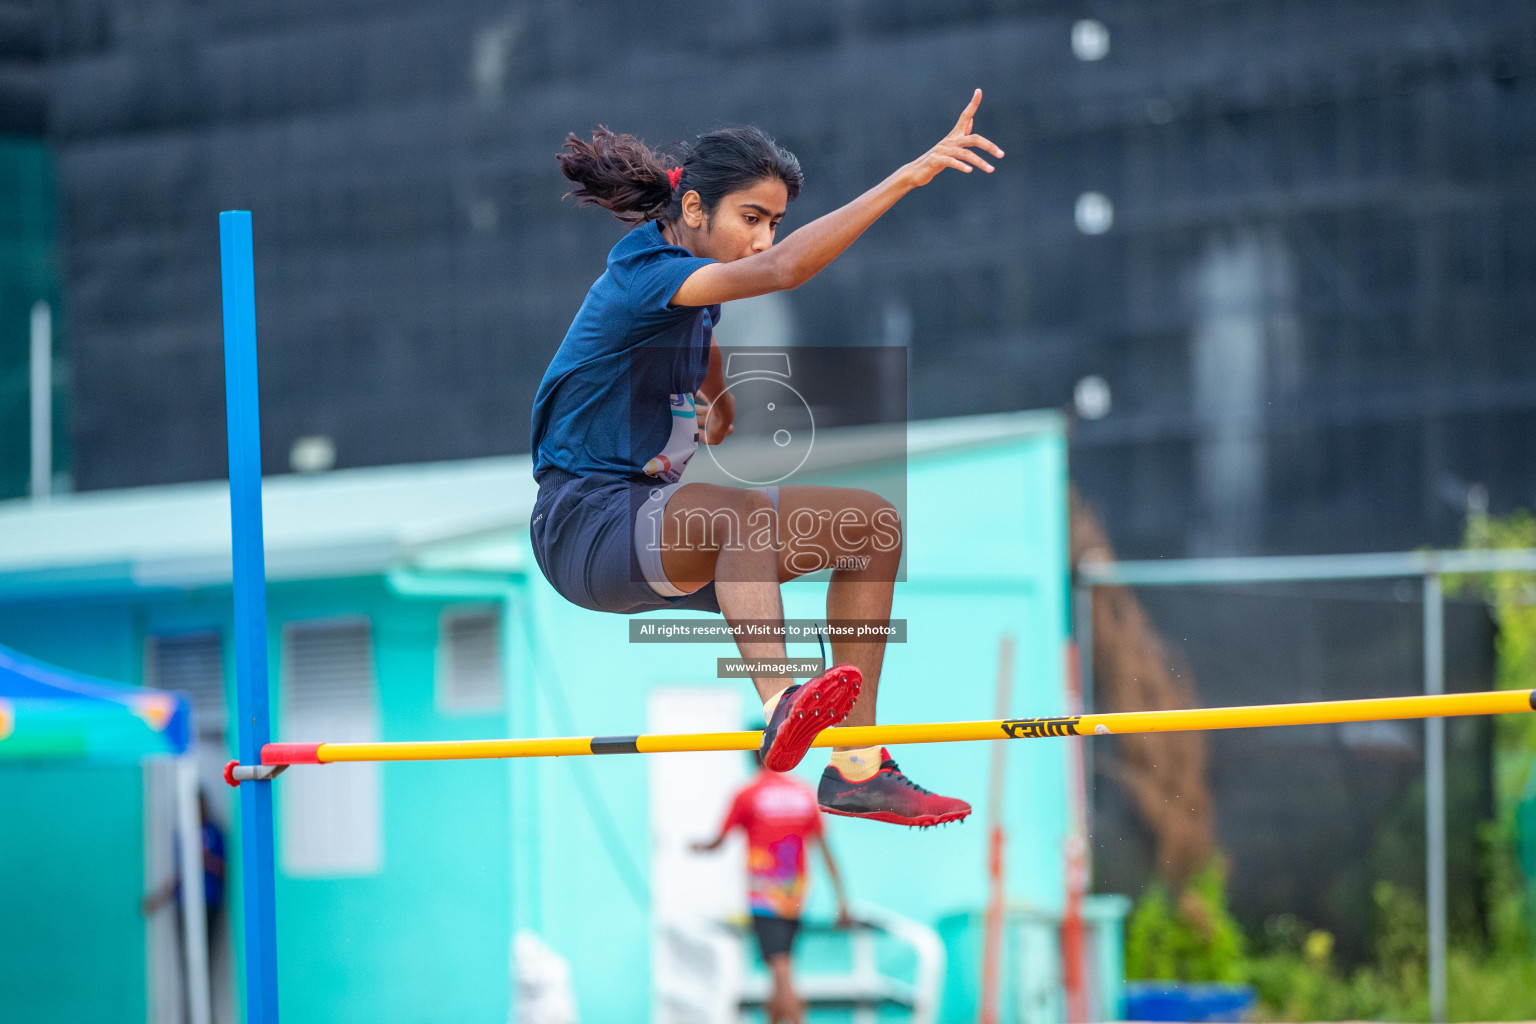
(347, 522)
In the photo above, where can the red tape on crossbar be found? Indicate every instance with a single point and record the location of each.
(290, 753)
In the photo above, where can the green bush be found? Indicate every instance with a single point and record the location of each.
(1196, 940)
(1296, 979)
(1152, 936)
(1512, 838)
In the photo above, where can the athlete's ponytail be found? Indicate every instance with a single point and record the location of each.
(618, 173)
(628, 179)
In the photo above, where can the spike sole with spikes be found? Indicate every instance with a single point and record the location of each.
(920, 821)
(819, 704)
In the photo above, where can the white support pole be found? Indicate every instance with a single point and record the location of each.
(42, 401)
(1082, 626)
(1434, 794)
(1082, 622)
(194, 921)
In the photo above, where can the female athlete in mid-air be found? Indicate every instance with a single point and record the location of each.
(638, 382)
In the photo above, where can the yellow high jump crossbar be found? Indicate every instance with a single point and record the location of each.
(277, 756)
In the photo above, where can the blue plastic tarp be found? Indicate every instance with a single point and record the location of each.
(47, 713)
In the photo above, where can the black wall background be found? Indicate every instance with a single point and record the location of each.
(23, 93)
(1313, 305)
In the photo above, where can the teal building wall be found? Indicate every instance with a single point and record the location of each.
(425, 938)
(986, 550)
(473, 851)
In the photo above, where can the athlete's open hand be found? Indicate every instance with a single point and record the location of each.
(955, 150)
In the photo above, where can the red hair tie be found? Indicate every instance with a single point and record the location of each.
(674, 176)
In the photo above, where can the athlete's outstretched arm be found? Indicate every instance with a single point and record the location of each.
(803, 254)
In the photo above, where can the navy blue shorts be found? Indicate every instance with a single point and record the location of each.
(583, 532)
(775, 935)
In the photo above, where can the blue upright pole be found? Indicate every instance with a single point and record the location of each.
(250, 576)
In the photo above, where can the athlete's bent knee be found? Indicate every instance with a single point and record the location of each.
(889, 533)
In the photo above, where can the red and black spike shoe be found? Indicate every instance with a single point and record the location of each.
(887, 795)
(804, 711)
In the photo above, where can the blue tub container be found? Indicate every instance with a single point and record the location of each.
(1182, 1001)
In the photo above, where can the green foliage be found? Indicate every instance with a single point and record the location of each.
(1218, 953)
(1197, 940)
(1295, 975)
(1512, 596)
(1296, 979)
(1511, 840)
(1504, 888)
(1152, 936)
(1499, 987)
(1402, 937)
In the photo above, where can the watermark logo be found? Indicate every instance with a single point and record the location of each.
(759, 384)
(828, 422)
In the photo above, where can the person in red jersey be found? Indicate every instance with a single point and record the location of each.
(781, 819)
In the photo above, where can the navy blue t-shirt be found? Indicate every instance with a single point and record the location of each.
(618, 396)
